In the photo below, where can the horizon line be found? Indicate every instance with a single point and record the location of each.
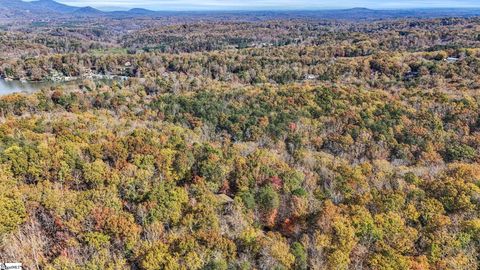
(193, 7)
(117, 9)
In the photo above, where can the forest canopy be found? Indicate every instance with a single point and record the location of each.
(282, 144)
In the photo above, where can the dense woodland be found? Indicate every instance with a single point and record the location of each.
(282, 144)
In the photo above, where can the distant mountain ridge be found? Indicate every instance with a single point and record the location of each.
(141, 11)
(51, 8)
(54, 6)
(88, 10)
(44, 6)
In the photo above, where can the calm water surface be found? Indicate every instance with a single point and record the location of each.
(9, 87)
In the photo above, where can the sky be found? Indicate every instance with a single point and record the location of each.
(269, 4)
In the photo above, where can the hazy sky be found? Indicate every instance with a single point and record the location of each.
(268, 4)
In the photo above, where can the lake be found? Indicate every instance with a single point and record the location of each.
(9, 87)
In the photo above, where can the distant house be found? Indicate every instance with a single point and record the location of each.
(452, 59)
(412, 74)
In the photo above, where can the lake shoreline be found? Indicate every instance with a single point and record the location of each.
(10, 86)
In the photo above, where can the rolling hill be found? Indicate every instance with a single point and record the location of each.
(19, 8)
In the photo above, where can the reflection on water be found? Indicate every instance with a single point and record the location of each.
(8, 87)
